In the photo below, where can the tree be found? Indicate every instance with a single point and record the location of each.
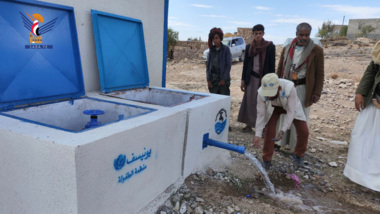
(343, 31)
(326, 31)
(366, 30)
(172, 38)
(192, 39)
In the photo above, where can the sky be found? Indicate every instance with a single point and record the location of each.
(195, 18)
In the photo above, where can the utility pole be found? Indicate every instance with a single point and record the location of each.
(343, 21)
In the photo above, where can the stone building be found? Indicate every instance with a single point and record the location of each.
(246, 33)
(355, 27)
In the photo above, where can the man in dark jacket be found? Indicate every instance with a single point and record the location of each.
(218, 64)
(259, 60)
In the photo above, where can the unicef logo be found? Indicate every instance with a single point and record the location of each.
(220, 121)
(119, 162)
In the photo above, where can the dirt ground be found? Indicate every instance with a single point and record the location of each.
(324, 188)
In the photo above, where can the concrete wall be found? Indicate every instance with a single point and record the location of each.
(189, 50)
(355, 26)
(150, 12)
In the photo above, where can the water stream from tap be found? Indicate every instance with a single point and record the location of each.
(267, 181)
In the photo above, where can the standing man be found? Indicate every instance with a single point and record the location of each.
(302, 63)
(259, 60)
(282, 96)
(218, 64)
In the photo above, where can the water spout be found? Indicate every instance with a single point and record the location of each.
(209, 142)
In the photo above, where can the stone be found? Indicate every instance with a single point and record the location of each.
(323, 183)
(333, 164)
(197, 199)
(176, 207)
(176, 198)
(313, 150)
(183, 208)
(339, 142)
(168, 204)
(198, 210)
(230, 210)
(321, 138)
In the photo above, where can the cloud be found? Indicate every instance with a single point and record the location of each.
(355, 11)
(178, 24)
(315, 23)
(201, 5)
(241, 24)
(214, 16)
(292, 16)
(295, 20)
(261, 8)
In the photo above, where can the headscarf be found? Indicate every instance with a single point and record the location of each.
(255, 49)
(376, 53)
(289, 52)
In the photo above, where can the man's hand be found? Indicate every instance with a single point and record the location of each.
(209, 84)
(222, 82)
(242, 86)
(375, 103)
(257, 142)
(359, 102)
(315, 98)
(279, 136)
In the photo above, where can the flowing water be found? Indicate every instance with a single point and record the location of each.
(268, 183)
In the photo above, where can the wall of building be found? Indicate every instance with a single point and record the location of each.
(151, 13)
(355, 26)
(193, 50)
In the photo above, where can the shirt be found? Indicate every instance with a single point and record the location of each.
(289, 117)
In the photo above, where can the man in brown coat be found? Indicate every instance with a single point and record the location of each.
(302, 62)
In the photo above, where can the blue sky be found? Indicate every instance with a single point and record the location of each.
(195, 18)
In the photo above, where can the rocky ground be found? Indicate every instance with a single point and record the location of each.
(240, 188)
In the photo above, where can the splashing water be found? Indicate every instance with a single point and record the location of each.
(263, 172)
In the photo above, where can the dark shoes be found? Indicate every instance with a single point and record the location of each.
(247, 129)
(266, 164)
(298, 161)
(277, 148)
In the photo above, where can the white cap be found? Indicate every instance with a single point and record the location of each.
(269, 85)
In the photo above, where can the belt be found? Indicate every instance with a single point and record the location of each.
(299, 81)
(254, 74)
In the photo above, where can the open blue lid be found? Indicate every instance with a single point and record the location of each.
(40, 58)
(120, 50)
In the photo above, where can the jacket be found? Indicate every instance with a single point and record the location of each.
(367, 85)
(269, 63)
(225, 60)
(315, 73)
(265, 109)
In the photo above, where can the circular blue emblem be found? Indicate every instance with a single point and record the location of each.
(119, 162)
(221, 121)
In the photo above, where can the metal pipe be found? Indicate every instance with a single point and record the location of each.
(210, 142)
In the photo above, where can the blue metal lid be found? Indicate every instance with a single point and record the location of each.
(39, 54)
(120, 50)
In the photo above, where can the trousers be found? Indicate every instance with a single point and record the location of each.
(270, 133)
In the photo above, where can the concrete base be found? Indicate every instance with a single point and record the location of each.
(127, 166)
